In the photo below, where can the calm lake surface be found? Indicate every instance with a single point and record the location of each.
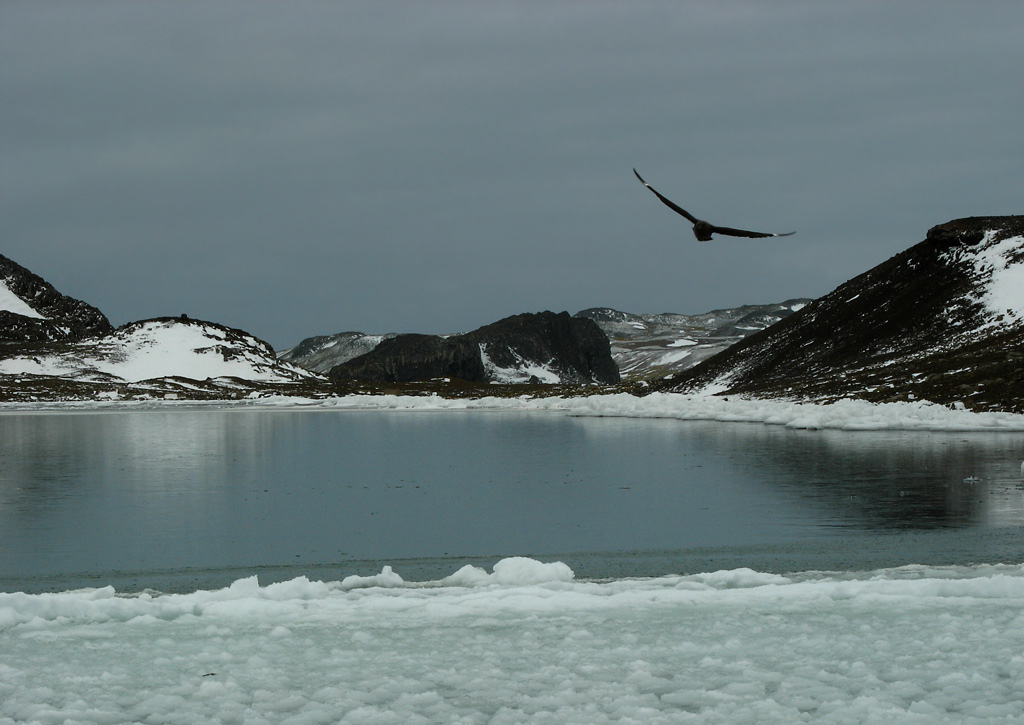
(179, 499)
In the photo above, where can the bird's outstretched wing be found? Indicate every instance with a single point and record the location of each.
(728, 231)
(667, 202)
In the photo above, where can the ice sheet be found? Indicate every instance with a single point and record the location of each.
(913, 644)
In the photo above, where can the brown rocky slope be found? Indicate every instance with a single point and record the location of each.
(942, 321)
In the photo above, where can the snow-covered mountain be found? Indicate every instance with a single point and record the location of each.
(942, 321)
(648, 346)
(54, 346)
(164, 357)
(160, 348)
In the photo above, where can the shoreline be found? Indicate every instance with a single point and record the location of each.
(845, 415)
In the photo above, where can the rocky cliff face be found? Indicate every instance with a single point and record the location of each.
(32, 311)
(543, 347)
(942, 321)
(549, 347)
(405, 358)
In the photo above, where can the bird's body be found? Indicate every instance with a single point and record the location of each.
(702, 229)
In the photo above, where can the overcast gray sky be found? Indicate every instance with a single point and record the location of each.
(306, 168)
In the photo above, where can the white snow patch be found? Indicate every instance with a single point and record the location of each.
(12, 303)
(672, 357)
(521, 373)
(1003, 292)
(685, 342)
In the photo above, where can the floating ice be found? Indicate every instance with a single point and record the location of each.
(386, 578)
(516, 570)
(528, 643)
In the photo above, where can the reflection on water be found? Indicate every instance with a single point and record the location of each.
(203, 490)
(886, 479)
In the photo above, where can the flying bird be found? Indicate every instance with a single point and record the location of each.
(702, 229)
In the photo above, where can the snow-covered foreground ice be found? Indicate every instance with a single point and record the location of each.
(528, 643)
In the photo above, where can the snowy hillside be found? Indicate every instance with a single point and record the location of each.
(942, 321)
(323, 352)
(168, 349)
(647, 346)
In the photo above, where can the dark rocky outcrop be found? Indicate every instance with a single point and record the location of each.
(410, 357)
(568, 349)
(574, 349)
(914, 327)
(66, 319)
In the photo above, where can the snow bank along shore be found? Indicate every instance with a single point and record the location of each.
(850, 415)
(528, 643)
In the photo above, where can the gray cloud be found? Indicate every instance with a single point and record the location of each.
(304, 168)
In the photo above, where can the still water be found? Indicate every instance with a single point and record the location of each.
(179, 499)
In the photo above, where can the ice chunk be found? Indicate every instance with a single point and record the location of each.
(386, 578)
(521, 570)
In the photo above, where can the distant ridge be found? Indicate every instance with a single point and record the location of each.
(653, 346)
(323, 352)
(942, 321)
